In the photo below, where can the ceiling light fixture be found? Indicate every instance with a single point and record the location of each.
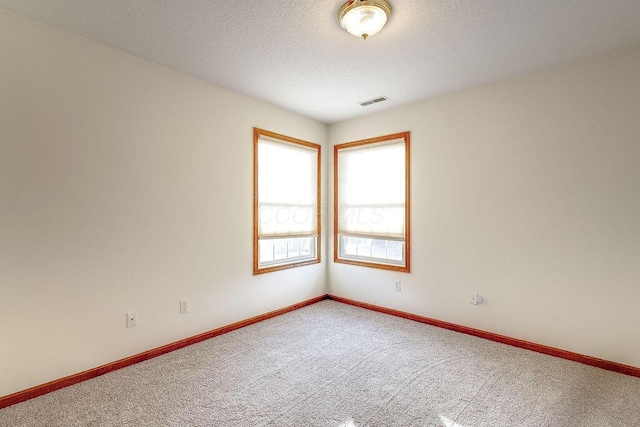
(364, 18)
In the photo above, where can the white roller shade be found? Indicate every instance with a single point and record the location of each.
(287, 189)
(371, 192)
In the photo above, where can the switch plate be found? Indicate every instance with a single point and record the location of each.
(132, 319)
(398, 286)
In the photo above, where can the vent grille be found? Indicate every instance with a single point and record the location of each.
(373, 101)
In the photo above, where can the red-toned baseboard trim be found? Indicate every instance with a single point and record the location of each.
(42, 389)
(580, 358)
(39, 390)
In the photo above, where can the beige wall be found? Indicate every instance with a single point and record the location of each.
(528, 192)
(123, 185)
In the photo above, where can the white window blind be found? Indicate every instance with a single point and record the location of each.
(371, 190)
(287, 189)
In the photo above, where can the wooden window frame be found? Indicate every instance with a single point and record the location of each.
(407, 232)
(257, 132)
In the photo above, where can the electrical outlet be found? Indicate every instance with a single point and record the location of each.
(474, 298)
(184, 306)
(398, 286)
(132, 319)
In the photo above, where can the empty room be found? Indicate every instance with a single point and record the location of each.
(320, 213)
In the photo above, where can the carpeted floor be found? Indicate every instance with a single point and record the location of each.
(332, 364)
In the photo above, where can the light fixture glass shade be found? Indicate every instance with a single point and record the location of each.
(364, 18)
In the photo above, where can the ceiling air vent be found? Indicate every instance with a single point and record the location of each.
(373, 101)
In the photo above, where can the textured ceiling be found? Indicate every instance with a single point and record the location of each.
(294, 53)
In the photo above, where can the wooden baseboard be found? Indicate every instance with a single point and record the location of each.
(39, 390)
(42, 389)
(580, 358)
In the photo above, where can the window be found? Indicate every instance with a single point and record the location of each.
(371, 202)
(286, 202)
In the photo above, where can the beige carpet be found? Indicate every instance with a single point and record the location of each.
(335, 365)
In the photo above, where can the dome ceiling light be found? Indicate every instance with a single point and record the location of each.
(364, 18)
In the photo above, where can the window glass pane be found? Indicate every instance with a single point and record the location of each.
(395, 250)
(266, 250)
(280, 251)
(294, 248)
(276, 251)
(305, 247)
(363, 247)
(379, 249)
(376, 250)
(350, 246)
